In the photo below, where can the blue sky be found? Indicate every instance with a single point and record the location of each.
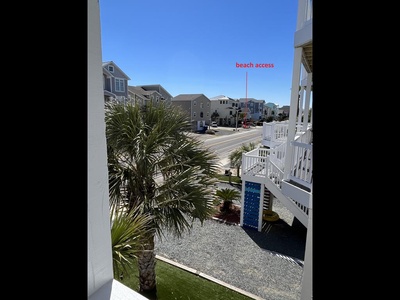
(192, 47)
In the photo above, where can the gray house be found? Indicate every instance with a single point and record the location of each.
(164, 95)
(115, 82)
(143, 94)
(139, 96)
(197, 107)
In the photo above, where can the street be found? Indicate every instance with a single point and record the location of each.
(227, 140)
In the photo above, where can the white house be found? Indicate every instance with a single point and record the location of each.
(223, 110)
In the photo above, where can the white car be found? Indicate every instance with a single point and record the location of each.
(214, 124)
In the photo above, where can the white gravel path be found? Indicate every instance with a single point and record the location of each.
(267, 264)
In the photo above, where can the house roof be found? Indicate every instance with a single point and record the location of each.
(221, 97)
(272, 105)
(155, 87)
(108, 73)
(252, 99)
(185, 97)
(138, 90)
(105, 64)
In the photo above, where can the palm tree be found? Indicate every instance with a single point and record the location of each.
(126, 231)
(156, 164)
(235, 157)
(227, 196)
(214, 116)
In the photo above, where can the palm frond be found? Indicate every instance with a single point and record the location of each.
(127, 229)
(155, 164)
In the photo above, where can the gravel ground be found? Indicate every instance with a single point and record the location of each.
(268, 264)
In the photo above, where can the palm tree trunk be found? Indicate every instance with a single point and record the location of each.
(147, 268)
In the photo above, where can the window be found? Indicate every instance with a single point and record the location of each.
(201, 105)
(201, 114)
(194, 114)
(119, 85)
(111, 69)
(194, 103)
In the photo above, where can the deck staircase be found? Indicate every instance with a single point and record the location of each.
(267, 167)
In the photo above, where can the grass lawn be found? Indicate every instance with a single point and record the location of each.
(175, 283)
(234, 179)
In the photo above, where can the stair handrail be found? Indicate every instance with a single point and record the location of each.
(301, 163)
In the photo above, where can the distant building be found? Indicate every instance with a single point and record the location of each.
(197, 106)
(223, 110)
(165, 96)
(115, 82)
(272, 110)
(284, 110)
(144, 94)
(253, 108)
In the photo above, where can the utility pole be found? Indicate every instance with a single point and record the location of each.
(236, 118)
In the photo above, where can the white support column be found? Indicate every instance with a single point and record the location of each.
(307, 279)
(307, 101)
(301, 13)
(301, 97)
(99, 254)
(293, 109)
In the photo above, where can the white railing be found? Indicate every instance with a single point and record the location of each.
(253, 164)
(271, 162)
(277, 156)
(259, 162)
(301, 164)
(275, 132)
(275, 174)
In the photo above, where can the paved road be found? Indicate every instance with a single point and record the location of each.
(226, 139)
(223, 131)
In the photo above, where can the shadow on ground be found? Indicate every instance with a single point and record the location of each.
(280, 237)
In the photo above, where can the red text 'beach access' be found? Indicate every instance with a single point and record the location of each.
(251, 65)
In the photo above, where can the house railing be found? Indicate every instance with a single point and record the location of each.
(270, 162)
(275, 174)
(277, 156)
(254, 162)
(301, 164)
(275, 131)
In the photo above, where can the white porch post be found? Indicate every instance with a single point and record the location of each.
(301, 97)
(293, 109)
(307, 101)
(307, 279)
